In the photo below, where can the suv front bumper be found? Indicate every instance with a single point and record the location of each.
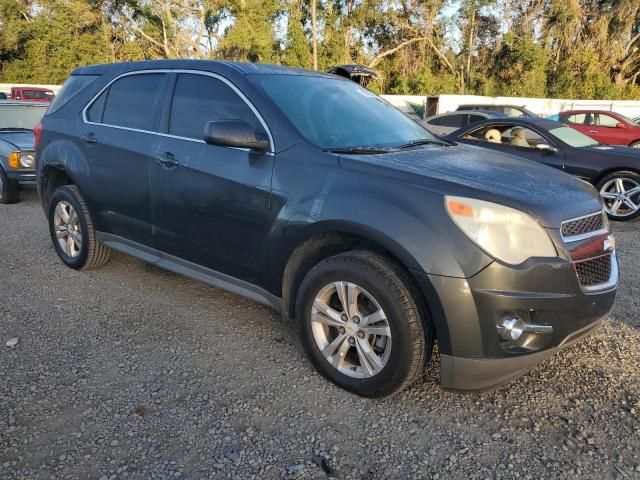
(544, 292)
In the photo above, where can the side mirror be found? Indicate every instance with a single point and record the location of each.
(621, 125)
(546, 148)
(235, 133)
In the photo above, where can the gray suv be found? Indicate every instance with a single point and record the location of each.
(310, 194)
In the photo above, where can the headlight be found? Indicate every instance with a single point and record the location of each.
(27, 160)
(21, 160)
(503, 232)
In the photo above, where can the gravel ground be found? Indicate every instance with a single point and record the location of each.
(133, 372)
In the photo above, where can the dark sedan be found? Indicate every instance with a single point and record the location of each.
(17, 166)
(613, 170)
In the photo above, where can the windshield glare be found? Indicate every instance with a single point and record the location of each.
(19, 116)
(572, 137)
(339, 114)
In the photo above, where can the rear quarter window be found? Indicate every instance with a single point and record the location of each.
(74, 85)
(578, 118)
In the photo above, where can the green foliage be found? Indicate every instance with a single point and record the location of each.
(251, 37)
(519, 68)
(46, 48)
(297, 52)
(551, 48)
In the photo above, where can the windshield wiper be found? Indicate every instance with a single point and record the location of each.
(22, 129)
(359, 150)
(422, 141)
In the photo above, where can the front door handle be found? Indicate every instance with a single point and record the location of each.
(89, 138)
(593, 131)
(166, 160)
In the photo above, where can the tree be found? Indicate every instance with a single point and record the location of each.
(296, 51)
(560, 48)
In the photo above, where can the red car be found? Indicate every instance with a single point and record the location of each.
(604, 126)
(32, 94)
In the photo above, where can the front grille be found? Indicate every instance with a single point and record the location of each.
(580, 226)
(594, 271)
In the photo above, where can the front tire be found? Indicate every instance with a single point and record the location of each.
(72, 232)
(635, 144)
(360, 324)
(8, 189)
(620, 192)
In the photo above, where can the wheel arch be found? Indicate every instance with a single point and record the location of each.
(611, 170)
(326, 239)
(51, 177)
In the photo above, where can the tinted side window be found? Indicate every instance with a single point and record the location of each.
(434, 121)
(475, 118)
(132, 101)
(452, 121)
(198, 99)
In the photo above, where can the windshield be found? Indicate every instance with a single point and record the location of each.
(20, 116)
(338, 114)
(625, 118)
(572, 137)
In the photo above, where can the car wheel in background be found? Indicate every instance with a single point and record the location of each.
(360, 324)
(8, 190)
(72, 230)
(620, 192)
(635, 144)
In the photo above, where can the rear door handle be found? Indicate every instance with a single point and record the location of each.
(89, 138)
(593, 131)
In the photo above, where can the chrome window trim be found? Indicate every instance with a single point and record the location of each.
(583, 236)
(180, 70)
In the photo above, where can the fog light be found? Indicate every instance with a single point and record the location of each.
(511, 328)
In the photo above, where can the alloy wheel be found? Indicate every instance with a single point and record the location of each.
(351, 330)
(621, 196)
(68, 230)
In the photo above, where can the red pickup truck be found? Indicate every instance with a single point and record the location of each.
(32, 94)
(604, 126)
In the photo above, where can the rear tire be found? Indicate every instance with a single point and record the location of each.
(72, 232)
(8, 189)
(620, 192)
(377, 345)
(635, 144)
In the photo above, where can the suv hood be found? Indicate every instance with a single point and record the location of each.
(19, 140)
(549, 195)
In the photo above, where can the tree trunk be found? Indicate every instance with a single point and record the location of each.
(470, 47)
(314, 35)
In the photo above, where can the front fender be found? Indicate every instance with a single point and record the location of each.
(313, 194)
